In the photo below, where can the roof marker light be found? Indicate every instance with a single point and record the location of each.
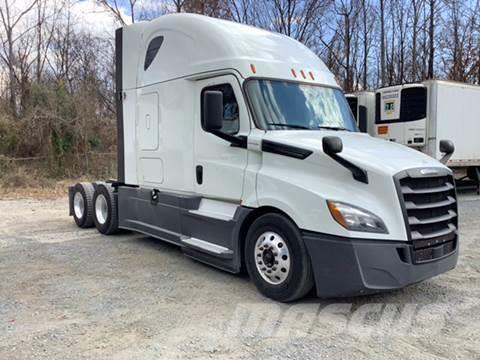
(294, 73)
(311, 75)
(303, 74)
(254, 69)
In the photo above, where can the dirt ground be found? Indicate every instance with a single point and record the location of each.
(67, 293)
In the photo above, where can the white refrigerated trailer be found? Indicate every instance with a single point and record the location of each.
(362, 104)
(419, 115)
(237, 145)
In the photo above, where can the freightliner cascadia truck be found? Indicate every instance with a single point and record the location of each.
(237, 145)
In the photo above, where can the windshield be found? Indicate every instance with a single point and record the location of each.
(289, 105)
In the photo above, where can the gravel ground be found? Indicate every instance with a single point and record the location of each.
(67, 293)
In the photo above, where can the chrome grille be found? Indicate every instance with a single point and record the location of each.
(430, 210)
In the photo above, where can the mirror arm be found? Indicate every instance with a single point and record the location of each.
(445, 158)
(236, 141)
(358, 173)
(448, 148)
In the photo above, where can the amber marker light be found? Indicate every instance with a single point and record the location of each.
(253, 68)
(294, 73)
(336, 213)
(303, 74)
(311, 75)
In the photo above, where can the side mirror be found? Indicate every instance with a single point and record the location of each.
(212, 110)
(332, 145)
(446, 147)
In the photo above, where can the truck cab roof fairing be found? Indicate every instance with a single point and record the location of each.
(195, 44)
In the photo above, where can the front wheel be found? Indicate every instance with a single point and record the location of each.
(276, 258)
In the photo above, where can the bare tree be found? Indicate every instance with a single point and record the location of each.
(431, 38)
(243, 11)
(366, 35)
(179, 5)
(417, 5)
(10, 22)
(382, 42)
(347, 12)
(116, 9)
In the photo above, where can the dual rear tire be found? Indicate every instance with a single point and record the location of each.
(96, 204)
(83, 204)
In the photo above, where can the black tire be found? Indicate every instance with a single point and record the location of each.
(299, 280)
(108, 225)
(472, 173)
(86, 191)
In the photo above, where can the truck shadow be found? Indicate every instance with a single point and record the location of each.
(426, 292)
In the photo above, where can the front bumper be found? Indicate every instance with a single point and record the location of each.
(351, 267)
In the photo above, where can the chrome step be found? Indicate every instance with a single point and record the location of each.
(207, 247)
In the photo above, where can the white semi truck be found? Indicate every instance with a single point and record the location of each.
(419, 115)
(362, 105)
(237, 145)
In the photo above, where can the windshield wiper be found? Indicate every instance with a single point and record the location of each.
(336, 128)
(291, 126)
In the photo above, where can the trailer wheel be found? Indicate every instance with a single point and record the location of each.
(276, 258)
(105, 213)
(83, 204)
(474, 174)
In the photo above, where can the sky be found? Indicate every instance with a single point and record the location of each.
(92, 17)
(87, 15)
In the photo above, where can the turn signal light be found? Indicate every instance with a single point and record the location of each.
(382, 130)
(337, 214)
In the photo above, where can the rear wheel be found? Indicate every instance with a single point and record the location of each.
(83, 204)
(105, 209)
(276, 258)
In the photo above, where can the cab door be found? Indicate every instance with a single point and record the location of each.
(219, 168)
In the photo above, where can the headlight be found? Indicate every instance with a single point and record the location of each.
(356, 219)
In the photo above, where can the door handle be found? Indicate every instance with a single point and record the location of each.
(199, 174)
(147, 121)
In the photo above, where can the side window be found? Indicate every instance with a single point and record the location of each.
(413, 104)
(378, 116)
(231, 116)
(152, 51)
(353, 102)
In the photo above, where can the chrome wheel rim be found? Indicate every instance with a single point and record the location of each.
(101, 209)
(78, 205)
(272, 258)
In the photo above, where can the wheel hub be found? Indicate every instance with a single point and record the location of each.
(268, 258)
(272, 258)
(78, 205)
(101, 209)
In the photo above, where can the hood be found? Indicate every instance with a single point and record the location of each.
(361, 149)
